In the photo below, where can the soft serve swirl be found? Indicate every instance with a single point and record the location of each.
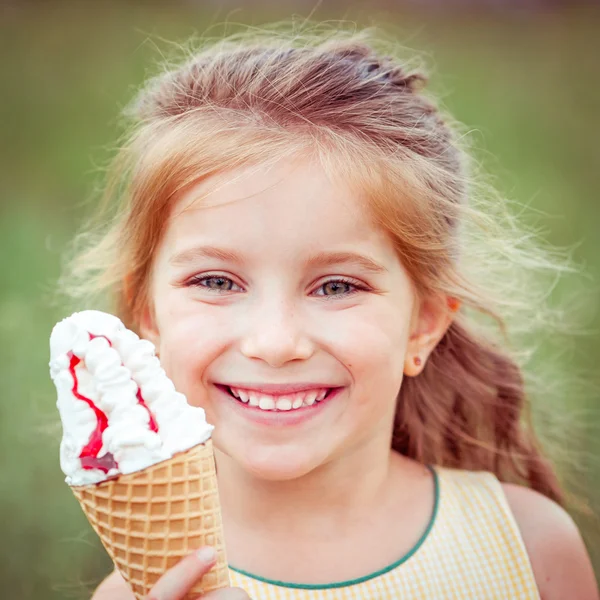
(120, 412)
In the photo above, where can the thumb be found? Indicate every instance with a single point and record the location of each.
(178, 580)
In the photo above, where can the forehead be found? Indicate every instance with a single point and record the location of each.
(290, 203)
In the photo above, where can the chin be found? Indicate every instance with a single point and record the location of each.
(272, 462)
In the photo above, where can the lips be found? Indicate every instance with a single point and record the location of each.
(279, 398)
(286, 401)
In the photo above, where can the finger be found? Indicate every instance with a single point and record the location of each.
(178, 580)
(226, 594)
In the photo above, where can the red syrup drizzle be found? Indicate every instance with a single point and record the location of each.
(151, 420)
(89, 455)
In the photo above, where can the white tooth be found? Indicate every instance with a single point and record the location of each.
(321, 395)
(310, 398)
(243, 395)
(283, 403)
(235, 392)
(297, 403)
(266, 403)
(253, 398)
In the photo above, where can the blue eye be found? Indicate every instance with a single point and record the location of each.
(339, 287)
(216, 283)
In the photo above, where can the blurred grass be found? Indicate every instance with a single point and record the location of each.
(528, 85)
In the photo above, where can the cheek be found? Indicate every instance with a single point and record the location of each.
(380, 367)
(371, 343)
(192, 335)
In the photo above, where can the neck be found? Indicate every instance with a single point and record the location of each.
(341, 492)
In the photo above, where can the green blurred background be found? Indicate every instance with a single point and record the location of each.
(525, 81)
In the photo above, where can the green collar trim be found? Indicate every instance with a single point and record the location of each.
(409, 554)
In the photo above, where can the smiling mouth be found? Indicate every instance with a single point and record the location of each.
(281, 402)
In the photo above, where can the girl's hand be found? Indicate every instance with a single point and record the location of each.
(174, 584)
(178, 580)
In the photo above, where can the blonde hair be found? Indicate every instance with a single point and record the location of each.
(256, 97)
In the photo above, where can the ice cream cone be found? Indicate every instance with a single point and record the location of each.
(150, 519)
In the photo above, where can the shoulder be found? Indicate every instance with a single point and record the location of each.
(558, 556)
(113, 588)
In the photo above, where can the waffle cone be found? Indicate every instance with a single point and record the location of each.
(150, 519)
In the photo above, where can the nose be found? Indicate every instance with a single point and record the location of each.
(275, 335)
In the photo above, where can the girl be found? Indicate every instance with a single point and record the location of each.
(296, 237)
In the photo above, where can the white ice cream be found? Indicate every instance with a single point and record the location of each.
(87, 369)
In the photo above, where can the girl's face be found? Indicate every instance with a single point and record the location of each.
(276, 289)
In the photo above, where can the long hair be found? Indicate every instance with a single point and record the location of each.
(254, 98)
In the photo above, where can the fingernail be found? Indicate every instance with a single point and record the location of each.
(206, 554)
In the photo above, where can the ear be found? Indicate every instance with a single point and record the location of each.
(431, 319)
(148, 327)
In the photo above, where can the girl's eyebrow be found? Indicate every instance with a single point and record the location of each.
(320, 259)
(327, 259)
(197, 252)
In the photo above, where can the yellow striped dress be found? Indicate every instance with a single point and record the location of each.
(471, 549)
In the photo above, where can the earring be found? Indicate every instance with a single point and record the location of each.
(417, 361)
(453, 304)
